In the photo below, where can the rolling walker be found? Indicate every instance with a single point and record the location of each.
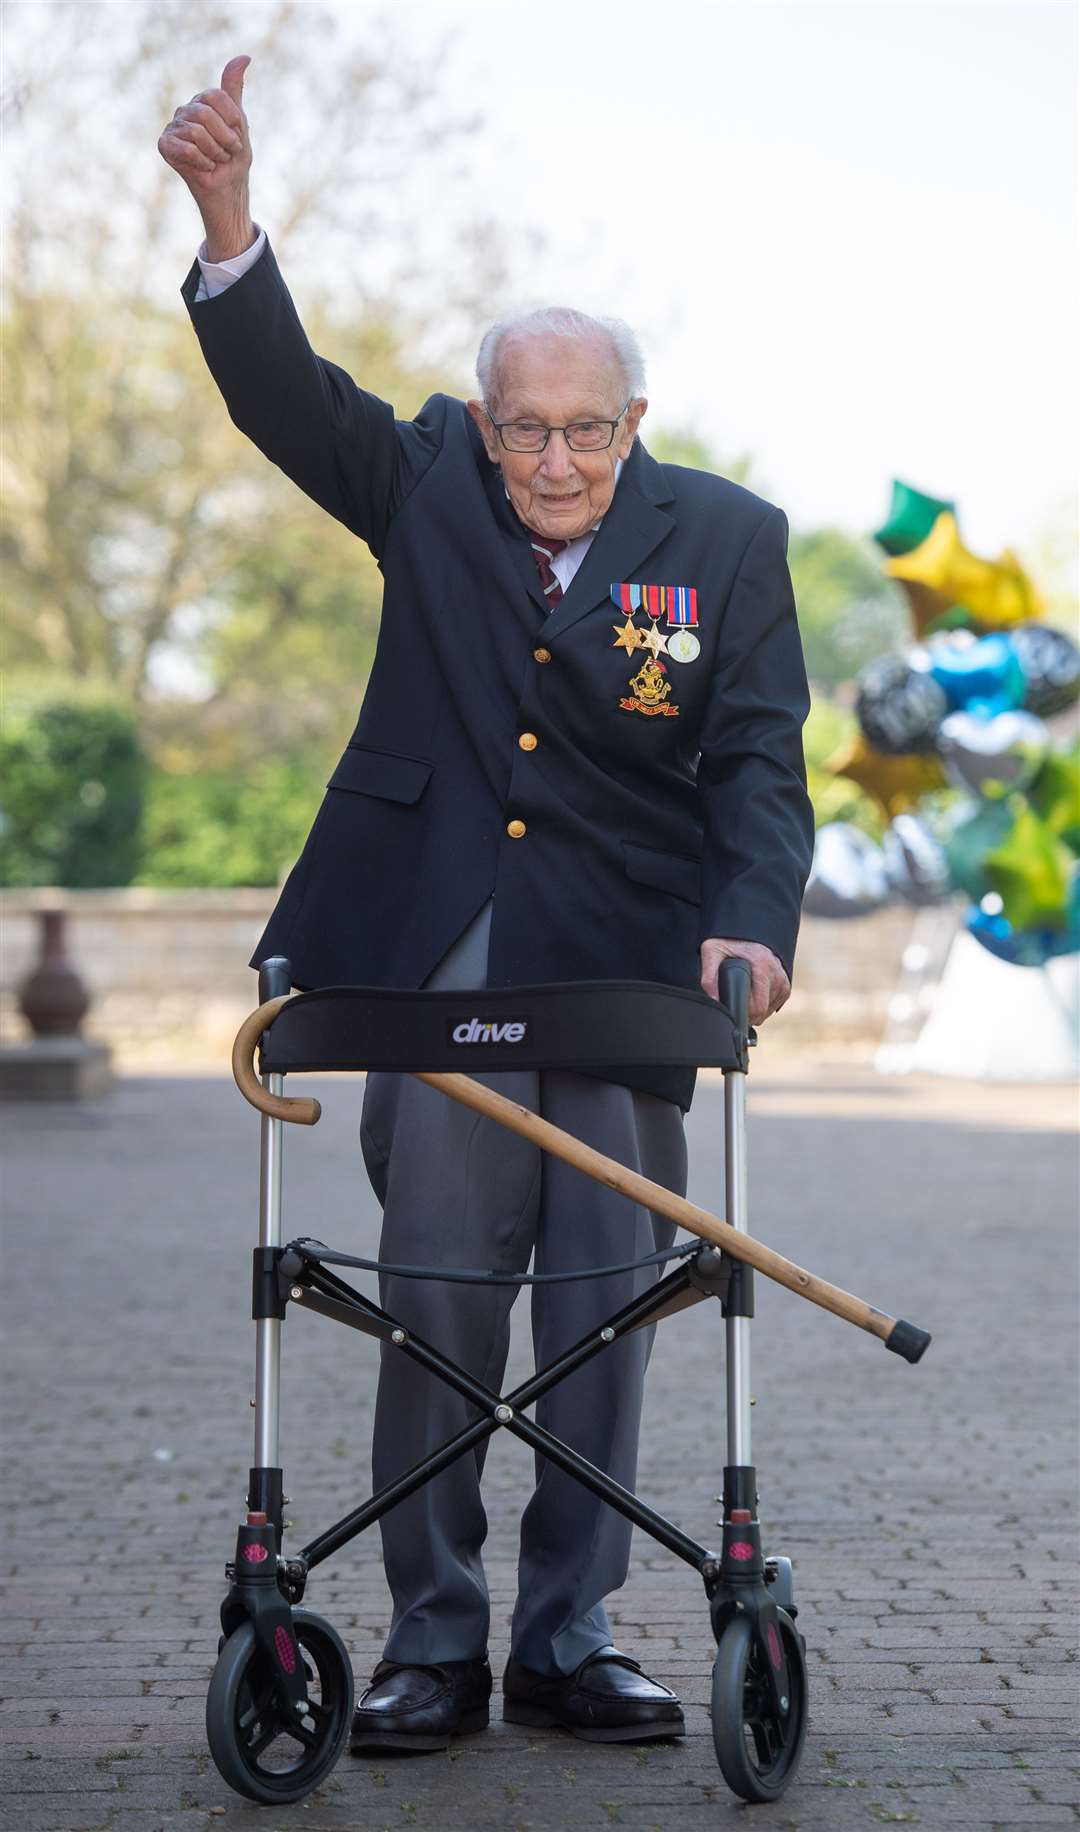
(281, 1698)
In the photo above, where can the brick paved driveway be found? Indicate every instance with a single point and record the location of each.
(930, 1511)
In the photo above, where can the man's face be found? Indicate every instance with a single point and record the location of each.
(555, 381)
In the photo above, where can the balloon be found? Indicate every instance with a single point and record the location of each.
(910, 519)
(847, 877)
(1055, 795)
(915, 864)
(985, 676)
(971, 840)
(1051, 662)
(997, 592)
(957, 617)
(899, 707)
(992, 757)
(928, 608)
(896, 783)
(1023, 948)
(1031, 872)
(1026, 947)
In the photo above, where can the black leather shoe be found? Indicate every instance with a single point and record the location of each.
(421, 1708)
(608, 1699)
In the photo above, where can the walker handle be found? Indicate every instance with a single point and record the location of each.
(733, 989)
(275, 978)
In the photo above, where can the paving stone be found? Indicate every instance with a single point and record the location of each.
(938, 1606)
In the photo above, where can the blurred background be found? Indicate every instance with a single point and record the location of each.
(845, 234)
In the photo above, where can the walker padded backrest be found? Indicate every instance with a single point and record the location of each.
(583, 1025)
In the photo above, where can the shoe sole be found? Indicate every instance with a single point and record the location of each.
(369, 1742)
(538, 1719)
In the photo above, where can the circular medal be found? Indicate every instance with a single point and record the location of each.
(683, 646)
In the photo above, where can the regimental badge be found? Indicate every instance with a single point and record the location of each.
(650, 690)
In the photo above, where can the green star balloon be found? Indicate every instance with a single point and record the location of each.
(910, 519)
(957, 617)
(1055, 795)
(969, 845)
(1031, 871)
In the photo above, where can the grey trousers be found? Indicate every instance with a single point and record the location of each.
(459, 1190)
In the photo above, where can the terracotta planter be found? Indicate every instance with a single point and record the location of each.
(53, 998)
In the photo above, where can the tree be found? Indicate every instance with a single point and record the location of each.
(849, 611)
(145, 544)
(74, 780)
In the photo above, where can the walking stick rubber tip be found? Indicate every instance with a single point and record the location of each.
(908, 1340)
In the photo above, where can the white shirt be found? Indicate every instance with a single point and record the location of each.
(218, 276)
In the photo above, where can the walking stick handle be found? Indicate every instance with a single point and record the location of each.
(302, 1110)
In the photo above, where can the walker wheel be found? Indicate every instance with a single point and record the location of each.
(757, 1749)
(260, 1751)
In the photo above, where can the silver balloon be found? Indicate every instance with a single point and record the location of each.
(847, 877)
(916, 868)
(991, 757)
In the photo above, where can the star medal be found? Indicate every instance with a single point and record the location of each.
(683, 645)
(628, 636)
(655, 641)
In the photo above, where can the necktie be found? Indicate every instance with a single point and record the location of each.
(544, 548)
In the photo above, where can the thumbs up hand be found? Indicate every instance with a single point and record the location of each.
(207, 143)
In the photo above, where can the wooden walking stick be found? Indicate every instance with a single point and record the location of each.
(903, 1338)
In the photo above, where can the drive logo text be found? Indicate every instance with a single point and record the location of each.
(476, 1030)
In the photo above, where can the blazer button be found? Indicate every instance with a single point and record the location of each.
(528, 741)
(541, 655)
(516, 829)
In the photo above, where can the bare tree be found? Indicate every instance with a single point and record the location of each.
(144, 543)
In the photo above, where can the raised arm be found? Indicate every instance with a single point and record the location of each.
(339, 443)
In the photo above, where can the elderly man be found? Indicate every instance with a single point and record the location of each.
(578, 757)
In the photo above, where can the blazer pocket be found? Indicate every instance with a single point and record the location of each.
(381, 773)
(664, 871)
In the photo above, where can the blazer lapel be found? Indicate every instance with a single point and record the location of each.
(634, 525)
(511, 536)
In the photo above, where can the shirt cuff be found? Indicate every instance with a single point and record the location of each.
(218, 276)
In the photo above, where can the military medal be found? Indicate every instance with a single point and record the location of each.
(628, 636)
(681, 607)
(649, 687)
(682, 645)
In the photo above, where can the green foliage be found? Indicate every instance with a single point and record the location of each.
(849, 611)
(835, 798)
(217, 828)
(682, 445)
(72, 783)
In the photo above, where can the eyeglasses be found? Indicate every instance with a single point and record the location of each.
(580, 435)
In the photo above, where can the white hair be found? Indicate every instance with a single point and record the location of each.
(562, 321)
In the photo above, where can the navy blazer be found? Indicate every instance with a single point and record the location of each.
(642, 834)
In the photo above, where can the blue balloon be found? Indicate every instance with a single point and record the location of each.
(1028, 947)
(983, 677)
